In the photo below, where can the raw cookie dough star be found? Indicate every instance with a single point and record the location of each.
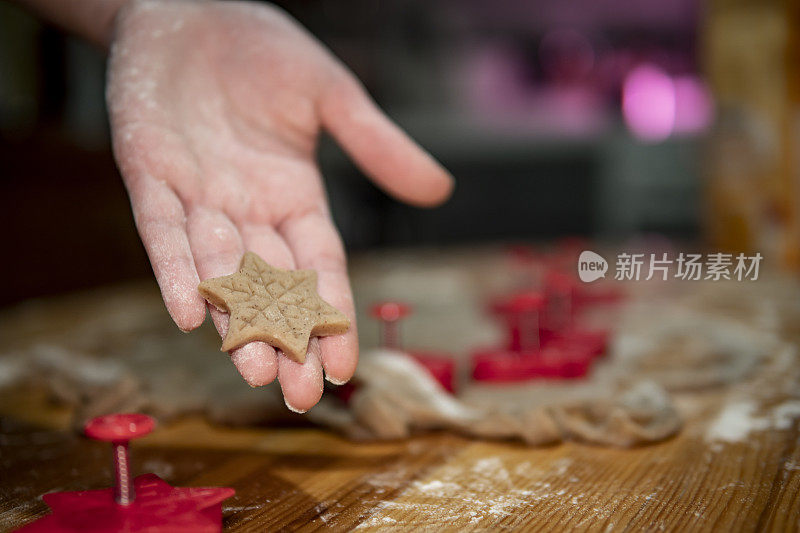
(279, 307)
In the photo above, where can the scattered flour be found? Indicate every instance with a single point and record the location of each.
(784, 414)
(482, 491)
(791, 466)
(738, 419)
(240, 508)
(438, 488)
(735, 422)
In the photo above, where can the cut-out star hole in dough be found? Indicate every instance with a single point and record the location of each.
(279, 307)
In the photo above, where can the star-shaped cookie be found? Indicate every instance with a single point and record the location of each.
(279, 307)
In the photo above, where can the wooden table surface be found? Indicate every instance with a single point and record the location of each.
(304, 478)
(308, 479)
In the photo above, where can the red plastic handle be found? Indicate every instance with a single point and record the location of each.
(120, 427)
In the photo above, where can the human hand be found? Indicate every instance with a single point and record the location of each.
(215, 112)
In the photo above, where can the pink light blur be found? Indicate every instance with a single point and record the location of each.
(694, 106)
(648, 103)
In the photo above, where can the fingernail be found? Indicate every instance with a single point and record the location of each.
(292, 408)
(331, 379)
(255, 381)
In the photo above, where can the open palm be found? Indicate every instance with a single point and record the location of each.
(215, 112)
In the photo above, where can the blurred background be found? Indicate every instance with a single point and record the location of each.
(606, 119)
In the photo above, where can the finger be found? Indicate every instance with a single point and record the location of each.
(301, 383)
(257, 362)
(218, 250)
(316, 245)
(381, 149)
(268, 244)
(160, 220)
(264, 241)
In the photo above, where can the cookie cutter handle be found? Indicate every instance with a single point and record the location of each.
(390, 313)
(119, 430)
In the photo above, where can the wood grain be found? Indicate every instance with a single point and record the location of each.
(308, 480)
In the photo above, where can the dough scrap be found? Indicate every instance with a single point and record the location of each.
(397, 397)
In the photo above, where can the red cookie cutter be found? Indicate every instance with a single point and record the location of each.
(147, 503)
(531, 351)
(441, 365)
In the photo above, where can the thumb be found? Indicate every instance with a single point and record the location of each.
(381, 149)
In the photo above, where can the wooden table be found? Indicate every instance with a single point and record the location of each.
(303, 478)
(308, 479)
